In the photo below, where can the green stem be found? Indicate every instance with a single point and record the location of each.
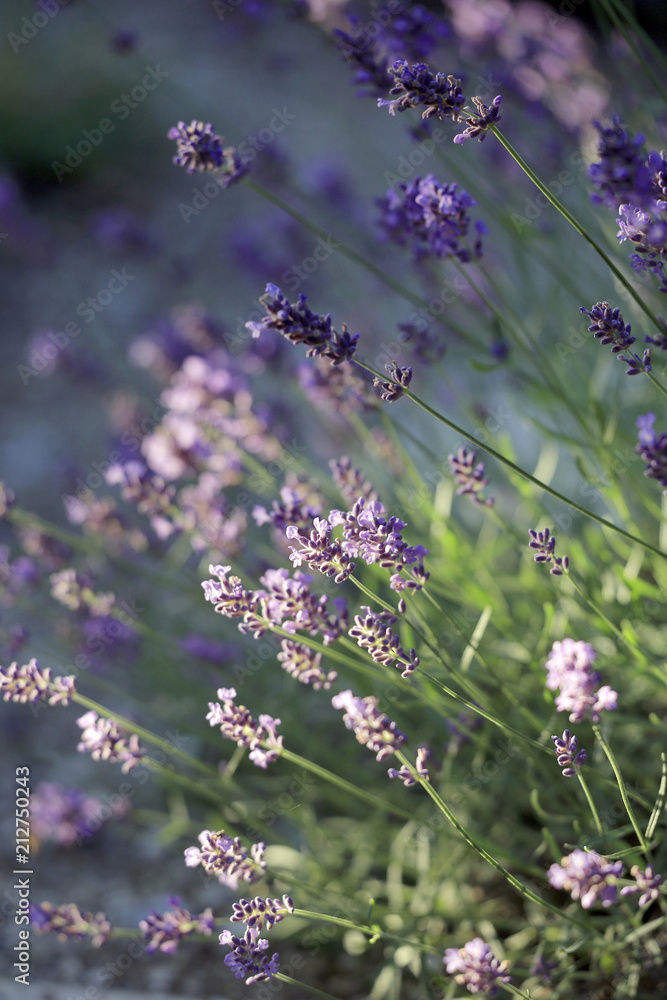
(591, 804)
(519, 886)
(346, 786)
(521, 472)
(575, 224)
(621, 784)
(304, 986)
(373, 932)
(146, 735)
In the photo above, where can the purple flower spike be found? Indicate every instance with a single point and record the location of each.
(399, 379)
(31, 683)
(588, 877)
(476, 967)
(479, 122)
(544, 544)
(469, 477)
(371, 727)
(648, 883)
(566, 753)
(652, 448)
(406, 775)
(608, 327)
(417, 85)
(69, 923)
(105, 740)
(236, 723)
(227, 858)
(570, 668)
(299, 325)
(166, 930)
(199, 148)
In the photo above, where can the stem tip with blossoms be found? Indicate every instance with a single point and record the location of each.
(476, 967)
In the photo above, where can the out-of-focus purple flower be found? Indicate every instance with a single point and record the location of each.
(76, 593)
(588, 877)
(430, 218)
(621, 173)
(393, 388)
(543, 544)
(565, 748)
(476, 967)
(121, 231)
(69, 816)
(298, 324)
(206, 649)
(351, 481)
(31, 683)
(370, 726)
(304, 664)
(427, 344)
(16, 575)
(236, 723)
(417, 85)
(570, 668)
(199, 148)
(652, 448)
(69, 923)
(372, 632)
(166, 930)
(227, 858)
(648, 883)
(469, 477)
(480, 121)
(105, 740)
(362, 52)
(406, 775)
(299, 504)
(335, 389)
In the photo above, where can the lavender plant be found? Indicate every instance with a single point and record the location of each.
(273, 542)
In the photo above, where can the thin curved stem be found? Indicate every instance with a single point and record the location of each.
(558, 205)
(516, 468)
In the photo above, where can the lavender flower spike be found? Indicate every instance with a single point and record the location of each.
(69, 923)
(647, 883)
(544, 544)
(318, 552)
(199, 148)
(247, 956)
(31, 683)
(469, 477)
(370, 726)
(570, 668)
(476, 967)
(166, 930)
(566, 753)
(480, 121)
(399, 379)
(106, 741)
(236, 723)
(406, 775)
(299, 325)
(652, 448)
(588, 877)
(417, 85)
(226, 857)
